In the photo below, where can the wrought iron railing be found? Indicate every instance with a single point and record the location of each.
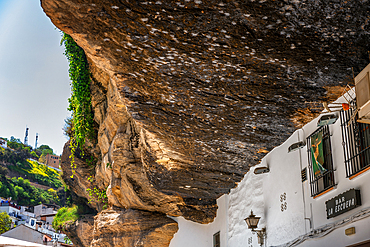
(356, 143)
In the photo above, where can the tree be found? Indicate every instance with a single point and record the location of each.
(18, 192)
(3, 172)
(13, 139)
(15, 143)
(34, 155)
(5, 222)
(45, 149)
(68, 127)
(54, 194)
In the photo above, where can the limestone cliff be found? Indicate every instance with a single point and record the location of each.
(187, 95)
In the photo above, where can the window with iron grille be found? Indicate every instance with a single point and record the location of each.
(356, 143)
(320, 160)
(304, 174)
(216, 240)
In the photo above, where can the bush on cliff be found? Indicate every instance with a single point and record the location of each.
(65, 216)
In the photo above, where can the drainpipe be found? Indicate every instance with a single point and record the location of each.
(303, 197)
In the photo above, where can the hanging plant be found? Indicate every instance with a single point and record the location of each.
(80, 100)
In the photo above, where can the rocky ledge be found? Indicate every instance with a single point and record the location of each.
(187, 95)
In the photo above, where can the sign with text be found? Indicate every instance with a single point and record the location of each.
(343, 203)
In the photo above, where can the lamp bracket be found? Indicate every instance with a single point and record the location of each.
(260, 233)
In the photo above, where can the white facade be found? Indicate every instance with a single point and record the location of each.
(44, 209)
(11, 242)
(27, 233)
(292, 213)
(201, 235)
(5, 207)
(26, 213)
(44, 227)
(3, 143)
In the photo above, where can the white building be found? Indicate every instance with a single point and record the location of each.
(318, 195)
(3, 143)
(26, 233)
(36, 225)
(12, 210)
(11, 242)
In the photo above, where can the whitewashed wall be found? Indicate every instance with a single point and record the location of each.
(266, 193)
(262, 194)
(283, 194)
(246, 196)
(191, 234)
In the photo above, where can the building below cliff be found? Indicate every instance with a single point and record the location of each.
(32, 224)
(52, 160)
(3, 143)
(313, 190)
(11, 242)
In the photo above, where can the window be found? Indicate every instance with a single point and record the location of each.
(356, 143)
(216, 240)
(320, 161)
(304, 174)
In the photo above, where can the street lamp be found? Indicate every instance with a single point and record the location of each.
(252, 222)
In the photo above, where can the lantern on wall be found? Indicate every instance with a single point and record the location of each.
(252, 222)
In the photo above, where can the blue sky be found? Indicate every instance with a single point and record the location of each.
(34, 83)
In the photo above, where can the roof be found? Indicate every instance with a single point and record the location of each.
(48, 215)
(6, 241)
(16, 229)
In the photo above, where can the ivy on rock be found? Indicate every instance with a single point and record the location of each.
(80, 100)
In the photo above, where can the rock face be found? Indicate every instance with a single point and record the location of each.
(188, 95)
(80, 231)
(126, 228)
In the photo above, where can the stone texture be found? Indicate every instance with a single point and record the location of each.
(81, 231)
(127, 228)
(187, 95)
(79, 184)
(122, 228)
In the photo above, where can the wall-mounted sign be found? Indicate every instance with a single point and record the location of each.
(343, 203)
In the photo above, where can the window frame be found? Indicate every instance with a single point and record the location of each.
(326, 181)
(217, 239)
(356, 143)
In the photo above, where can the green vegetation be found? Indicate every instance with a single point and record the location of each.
(17, 160)
(39, 173)
(44, 175)
(99, 195)
(67, 240)
(21, 152)
(81, 126)
(65, 216)
(22, 192)
(80, 101)
(42, 151)
(5, 222)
